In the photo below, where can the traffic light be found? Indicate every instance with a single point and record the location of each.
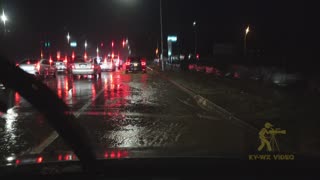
(112, 44)
(101, 44)
(123, 43)
(47, 44)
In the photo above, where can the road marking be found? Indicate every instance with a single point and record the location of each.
(54, 135)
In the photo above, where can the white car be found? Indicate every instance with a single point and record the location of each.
(108, 64)
(61, 66)
(82, 67)
(41, 68)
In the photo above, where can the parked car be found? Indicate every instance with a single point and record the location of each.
(134, 64)
(41, 68)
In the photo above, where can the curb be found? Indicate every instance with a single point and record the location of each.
(208, 105)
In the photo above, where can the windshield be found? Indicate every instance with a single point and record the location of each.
(79, 60)
(217, 79)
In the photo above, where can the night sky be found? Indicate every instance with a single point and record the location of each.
(276, 26)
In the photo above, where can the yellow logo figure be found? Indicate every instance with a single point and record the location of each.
(268, 139)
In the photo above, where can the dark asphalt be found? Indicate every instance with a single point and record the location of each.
(126, 111)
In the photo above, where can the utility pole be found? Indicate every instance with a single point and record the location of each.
(161, 26)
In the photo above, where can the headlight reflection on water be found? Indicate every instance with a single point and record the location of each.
(10, 118)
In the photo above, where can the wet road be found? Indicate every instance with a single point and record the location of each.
(125, 111)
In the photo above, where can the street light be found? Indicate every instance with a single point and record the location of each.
(4, 18)
(245, 40)
(68, 38)
(161, 26)
(85, 45)
(97, 51)
(195, 37)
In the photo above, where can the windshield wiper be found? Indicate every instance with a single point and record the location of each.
(53, 108)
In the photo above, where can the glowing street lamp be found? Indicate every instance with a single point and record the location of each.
(85, 44)
(247, 30)
(4, 19)
(245, 40)
(68, 38)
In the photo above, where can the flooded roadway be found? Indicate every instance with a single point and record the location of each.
(125, 111)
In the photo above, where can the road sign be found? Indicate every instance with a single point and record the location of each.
(73, 44)
(172, 38)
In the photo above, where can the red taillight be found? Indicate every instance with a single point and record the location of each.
(38, 66)
(17, 64)
(128, 63)
(65, 59)
(143, 63)
(119, 154)
(39, 160)
(115, 154)
(18, 162)
(112, 155)
(28, 62)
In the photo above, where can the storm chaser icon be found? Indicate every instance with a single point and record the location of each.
(268, 139)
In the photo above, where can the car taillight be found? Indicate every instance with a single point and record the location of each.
(38, 66)
(128, 63)
(17, 64)
(143, 63)
(39, 160)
